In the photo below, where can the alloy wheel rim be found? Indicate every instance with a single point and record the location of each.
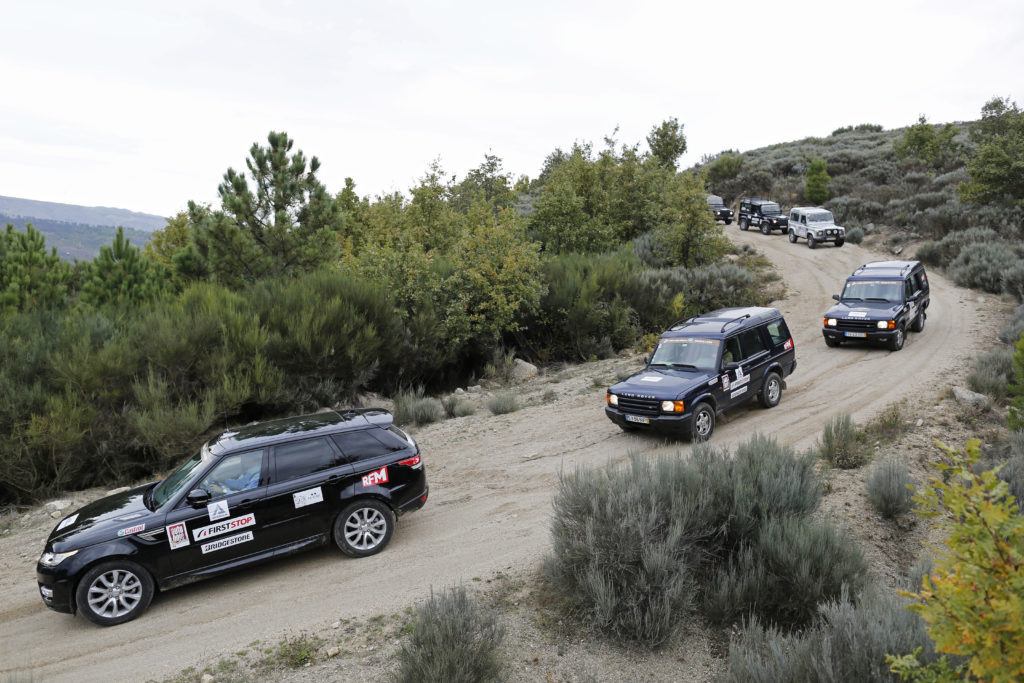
(365, 528)
(115, 593)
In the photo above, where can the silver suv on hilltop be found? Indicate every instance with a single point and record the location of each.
(816, 225)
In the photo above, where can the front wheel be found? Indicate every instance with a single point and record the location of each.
(766, 229)
(896, 341)
(743, 224)
(792, 236)
(703, 423)
(829, 341)
(114, 592)
(728, 221)
(840, 243)
(771, 392)
(811, 242)
(364, 528)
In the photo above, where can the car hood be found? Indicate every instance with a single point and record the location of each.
(120, 514)
(664, 384)
(824, 225)
(864, 310)
(776, 216)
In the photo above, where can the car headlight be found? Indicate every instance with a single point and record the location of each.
(52, 559)
(883, 324)
(671, 406)
(613, 399)
(831, 322)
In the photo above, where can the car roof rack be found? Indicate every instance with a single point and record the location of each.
(733, 321)
(682, 323)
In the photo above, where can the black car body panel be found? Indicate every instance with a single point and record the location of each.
(309, 468)
(719, 209)
(763, 214)
(880, 300)
(723, 357)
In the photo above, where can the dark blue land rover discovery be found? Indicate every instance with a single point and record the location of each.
(702, 367)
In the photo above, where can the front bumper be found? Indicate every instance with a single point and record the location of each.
(828, 236)
(838, 334)
(666, 423)
(56, 588)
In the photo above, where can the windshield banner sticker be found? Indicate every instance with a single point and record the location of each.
(226, 542)
(304, 498)
(177, 536)
(218, 510)
(131, 530)
(224, 527)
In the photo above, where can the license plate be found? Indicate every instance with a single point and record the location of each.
(855, 334)
(637, 418)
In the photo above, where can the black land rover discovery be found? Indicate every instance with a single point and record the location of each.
(702, 367)
(259, 492)
(880, 302)
(763, 213)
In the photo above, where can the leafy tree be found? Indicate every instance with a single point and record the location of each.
(287, 224)
(431, 213)
(725, 167)
(561, 223)
(996, 167)
(928, 144)
(29, 277)
(689, 235)
(120, 275)
(667, 143)
(816, 182)
(486, 182)
(973, 599)
(164, 244)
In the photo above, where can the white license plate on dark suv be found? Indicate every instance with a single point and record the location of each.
(638, 419)
(855, 334)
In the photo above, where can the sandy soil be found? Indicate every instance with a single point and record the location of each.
(491, 479)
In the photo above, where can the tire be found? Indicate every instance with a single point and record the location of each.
(829, 341)
(728, 221)
(792, 236)
(364, 527)
(840, 243)
(766, 229)
(114, 592)
(896, 341)
(703, 423)
(918, 325)
(771, 392)
(811, 243)
(627, 428)
(743, 224)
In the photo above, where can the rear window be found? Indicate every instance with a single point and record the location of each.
(300, 458)
(368, 443)
(778, 332)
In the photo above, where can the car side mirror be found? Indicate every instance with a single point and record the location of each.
(731, 365)
(836, 297)
(647, 360)
(914, 297)
(197, 498)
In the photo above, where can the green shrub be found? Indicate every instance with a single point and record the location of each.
(457, 407)
(887, 485)
(992, 372)
(855, 235)
(1013, 281)
(452, 639)
(415, 408)
(503, 402)
(1013, 328)
(944, 251)
(847, 642)
(840, 444)
(981, 266)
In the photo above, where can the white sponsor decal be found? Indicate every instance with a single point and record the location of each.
(218, 510)
(741, 390)
(857, 314)
(304, 498)
(131, 530)
(651, 378)
(224, 527)
(177, 536)
(711, 382)
(67, 521)
(725, 382)
(378, 477)
(226, 542)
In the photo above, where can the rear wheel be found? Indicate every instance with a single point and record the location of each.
(703, 422)
(364, 527)
(114, 592)
(811, 242)
(918, 325)
(896, 341)
(771, 392)
(792, 236)
(743, 224)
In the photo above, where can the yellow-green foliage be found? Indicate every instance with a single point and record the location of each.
(973, 600)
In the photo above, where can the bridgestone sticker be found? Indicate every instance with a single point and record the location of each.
(226, 542)
(218, 510)
(131, 530)
(304, 498)
(177, 536)
(741, 390)
(223, 527)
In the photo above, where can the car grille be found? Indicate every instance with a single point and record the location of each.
(639, 406)
(857, 325)
(830, 233)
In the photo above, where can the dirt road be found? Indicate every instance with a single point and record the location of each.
(491, 484)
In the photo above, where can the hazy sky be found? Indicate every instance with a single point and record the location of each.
(144, 105)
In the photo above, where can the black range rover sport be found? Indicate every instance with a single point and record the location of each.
(259, 492)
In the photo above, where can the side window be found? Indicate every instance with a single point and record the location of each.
(792, 216)
(234, 473)
(300, 458)
(732, 354)
(803, 220)
(778, 332)
(908, 286)
(919, 280)
(751, 343)
(360, 445)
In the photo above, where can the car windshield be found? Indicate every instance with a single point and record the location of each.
(770, 208)
(180, 477)
(694, 353)
(715, 201)
(874, 290)
(821, 217)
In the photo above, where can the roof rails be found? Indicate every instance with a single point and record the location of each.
(682, 323)
(734, 320)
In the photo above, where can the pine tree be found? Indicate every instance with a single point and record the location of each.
(816, 182)
(121, 275)
(29, 277)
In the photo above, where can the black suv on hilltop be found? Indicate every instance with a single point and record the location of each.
(718, 207)
(763, 213)
(702, 367)
(880, 301)
(259, 492)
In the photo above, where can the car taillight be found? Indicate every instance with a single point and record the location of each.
(788, 345)
(411, 462)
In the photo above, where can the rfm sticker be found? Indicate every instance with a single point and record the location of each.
(378, 477)
(177, 536)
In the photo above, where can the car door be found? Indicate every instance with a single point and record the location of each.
(225, 529)
(307, 476)
(372, 454)
(750, 354)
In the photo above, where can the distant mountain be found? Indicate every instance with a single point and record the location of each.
(81, 215)
(78, 232)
